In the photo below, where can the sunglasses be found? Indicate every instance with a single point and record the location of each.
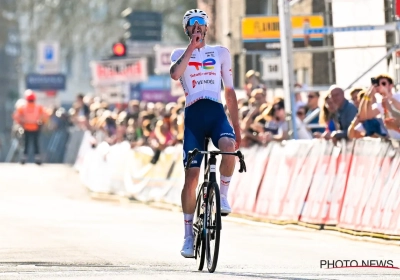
(311, 96)
(383, 84)
(200, 21)
(301, 113)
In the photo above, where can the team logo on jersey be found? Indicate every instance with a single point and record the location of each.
(207, 64)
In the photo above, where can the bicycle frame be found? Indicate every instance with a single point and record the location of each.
(210, 168)
(209, 165)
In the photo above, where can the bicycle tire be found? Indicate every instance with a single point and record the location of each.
(215, 231)
(200, 249)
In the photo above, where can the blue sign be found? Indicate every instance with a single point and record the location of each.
(330, 30)
(157, 82)
(45, 82)
(49, 53)
(135, 93)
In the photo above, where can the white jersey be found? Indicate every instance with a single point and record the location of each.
(203, 74)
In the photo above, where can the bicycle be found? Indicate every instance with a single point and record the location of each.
(208, 229)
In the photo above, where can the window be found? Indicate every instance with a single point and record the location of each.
(306, 76)
(302, 76)
(255, 7)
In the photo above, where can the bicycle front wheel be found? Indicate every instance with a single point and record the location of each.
(213, 226)
(199, 240)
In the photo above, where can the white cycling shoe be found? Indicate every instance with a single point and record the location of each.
(225, 208)
(188, 249)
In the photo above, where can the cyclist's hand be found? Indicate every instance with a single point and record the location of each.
(196, 40)
(238, 137)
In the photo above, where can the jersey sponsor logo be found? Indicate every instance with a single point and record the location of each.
(196, 75)
(201, 74)
(207, 64)
(210, 54)
(228, 134)
(201, 82)
(211, 82)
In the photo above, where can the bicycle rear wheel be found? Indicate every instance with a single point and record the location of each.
(213, 226)
(199, 236)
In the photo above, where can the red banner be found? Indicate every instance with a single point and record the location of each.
(388, 185)
(322, 180)
(336, 196)
(244, 196)
(269, 184)
(379, 179)
(306, 161)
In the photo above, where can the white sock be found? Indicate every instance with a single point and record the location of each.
(224, 185)
(188, 218)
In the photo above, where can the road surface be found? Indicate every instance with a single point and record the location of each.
(52, 229)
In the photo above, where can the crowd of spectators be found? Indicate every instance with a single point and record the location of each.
(370, 112)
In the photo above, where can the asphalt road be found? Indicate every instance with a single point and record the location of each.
(52, 229)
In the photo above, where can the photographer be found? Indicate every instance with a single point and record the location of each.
(374, 112)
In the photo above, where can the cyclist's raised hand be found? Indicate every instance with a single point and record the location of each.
(196, 40)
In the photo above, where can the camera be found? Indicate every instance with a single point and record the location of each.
(374, 81)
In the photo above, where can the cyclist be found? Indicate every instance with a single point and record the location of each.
(200, 68)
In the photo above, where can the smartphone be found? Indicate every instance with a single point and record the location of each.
(374, 81)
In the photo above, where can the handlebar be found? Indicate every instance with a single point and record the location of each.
(193, 154)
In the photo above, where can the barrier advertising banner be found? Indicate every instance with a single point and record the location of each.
(353, 185)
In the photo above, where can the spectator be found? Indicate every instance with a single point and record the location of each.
(328, 118)
(133, 109)
(386, 108)
(277, 128)
(31, 116)
(354, 96)
(313, 111)
(374, 111)
(134, 133)
(297, 96)
(253, 134)
(252, 82)
(259, 96)
(301, 113)
(256, 104)
(109, 126)
(345, 114)
(82, 110)
(363, 125)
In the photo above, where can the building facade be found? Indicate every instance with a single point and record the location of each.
(310, 68)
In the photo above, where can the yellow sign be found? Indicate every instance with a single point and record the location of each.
(267, 28)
